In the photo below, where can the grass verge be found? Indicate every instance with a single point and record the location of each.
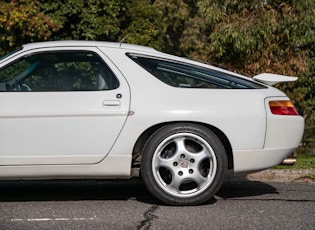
(302, 162)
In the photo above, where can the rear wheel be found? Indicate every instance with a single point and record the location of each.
(183, 164)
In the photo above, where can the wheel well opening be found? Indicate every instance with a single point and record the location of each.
(226, 143)
(138, 148)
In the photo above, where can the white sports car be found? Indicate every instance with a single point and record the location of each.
(82, 109)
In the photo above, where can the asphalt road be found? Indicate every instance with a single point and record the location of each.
(128, 205)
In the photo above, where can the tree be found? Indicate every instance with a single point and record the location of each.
(109, 20)
(85, 20)
(142, 23)
(257, 36)
(22, 22)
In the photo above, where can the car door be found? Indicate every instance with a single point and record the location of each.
(60, 106)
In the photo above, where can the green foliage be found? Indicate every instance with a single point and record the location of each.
(302, 162)
(109, 20)
(260, 36)
(22, 22)
(86, 20)
(142, 23)
(303, 93)
(173, 17)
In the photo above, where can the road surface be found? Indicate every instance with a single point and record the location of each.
(105, 204)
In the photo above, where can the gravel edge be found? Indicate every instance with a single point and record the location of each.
(280, 175)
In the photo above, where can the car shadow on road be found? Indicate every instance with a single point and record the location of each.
(134, 189)
(235, 188)
(63, 190)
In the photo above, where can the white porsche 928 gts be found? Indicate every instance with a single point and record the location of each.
(81, 109)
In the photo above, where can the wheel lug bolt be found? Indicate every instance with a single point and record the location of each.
(192, 161)
(180, 173)
(175, 163)
(191, 171)
(182, 156)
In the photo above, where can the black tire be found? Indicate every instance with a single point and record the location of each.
(183, 164)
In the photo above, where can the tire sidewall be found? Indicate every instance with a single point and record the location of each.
(150, 149)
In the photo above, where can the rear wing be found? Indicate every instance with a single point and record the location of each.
(272, 79)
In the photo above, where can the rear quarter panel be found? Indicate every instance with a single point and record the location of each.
(239, 113)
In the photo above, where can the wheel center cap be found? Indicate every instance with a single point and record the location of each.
(184, 164)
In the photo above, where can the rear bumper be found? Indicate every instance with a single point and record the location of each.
(248, 161)
(282, 131)
(283, 136)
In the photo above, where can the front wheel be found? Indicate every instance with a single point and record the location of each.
(183, 164)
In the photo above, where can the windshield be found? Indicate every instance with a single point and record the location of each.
(9, 54)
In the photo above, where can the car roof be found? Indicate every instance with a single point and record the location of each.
(118, 45)
(76, 43)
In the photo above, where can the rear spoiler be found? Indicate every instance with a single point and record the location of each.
(272, 79)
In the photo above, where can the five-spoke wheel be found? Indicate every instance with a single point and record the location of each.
(183, 164)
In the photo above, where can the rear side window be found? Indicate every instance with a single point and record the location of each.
(58, 71)
(182, 75)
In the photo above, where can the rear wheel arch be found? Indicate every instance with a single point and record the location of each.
(143, 138)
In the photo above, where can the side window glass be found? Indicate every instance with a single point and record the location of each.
(183, 75)
(58, 71)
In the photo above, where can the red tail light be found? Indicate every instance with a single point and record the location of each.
(282, 108)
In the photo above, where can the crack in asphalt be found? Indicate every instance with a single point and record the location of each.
(149, 217)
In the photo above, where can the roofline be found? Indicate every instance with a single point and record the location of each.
(76, 43)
